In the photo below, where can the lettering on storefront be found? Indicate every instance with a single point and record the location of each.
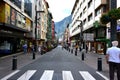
(6, 31)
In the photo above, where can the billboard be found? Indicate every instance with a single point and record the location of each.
(2, 12)
(28, 24)
(13, 16)
(7, 14)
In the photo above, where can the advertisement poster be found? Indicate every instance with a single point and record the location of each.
(2, 12)
(7, 13)
(13, 16)
(18, 19)
(28, 24)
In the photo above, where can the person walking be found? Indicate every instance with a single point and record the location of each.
(113, 59)
(25, 48)
(76, 49)
(39, 49)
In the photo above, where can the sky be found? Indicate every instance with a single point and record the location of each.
(60, 8)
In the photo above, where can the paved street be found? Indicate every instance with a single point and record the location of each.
(57, 64)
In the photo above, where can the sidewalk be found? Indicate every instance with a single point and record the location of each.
(22, 60)
(91, 59)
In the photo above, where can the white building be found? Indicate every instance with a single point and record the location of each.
(89, 12)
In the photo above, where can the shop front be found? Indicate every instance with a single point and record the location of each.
(11, 40)
(13, 28)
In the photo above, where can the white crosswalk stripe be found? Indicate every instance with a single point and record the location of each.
(47, 75)
(86, 75)
(27, 75)
(10, 75)
(102, 75)
(67, 75)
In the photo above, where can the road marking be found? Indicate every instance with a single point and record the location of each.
(102, 75)
(47, 75)
(67, 75)
(10, 75)
(86, 75)
(27, 75)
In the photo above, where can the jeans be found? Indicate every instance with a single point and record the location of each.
(25, 50)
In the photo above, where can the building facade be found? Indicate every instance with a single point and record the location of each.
(15, 24)
(53, 31)
(22, 21)
(49, 29)
(88, 12)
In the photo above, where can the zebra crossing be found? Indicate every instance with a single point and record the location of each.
(48, 75)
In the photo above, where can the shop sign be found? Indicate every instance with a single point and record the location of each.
(6, 31)
(88, 37)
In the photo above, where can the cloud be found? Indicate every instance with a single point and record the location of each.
(60, 8)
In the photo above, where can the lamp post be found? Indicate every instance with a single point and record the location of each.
(36, 21)
(81, 31)
(81, 39)
(113, 23)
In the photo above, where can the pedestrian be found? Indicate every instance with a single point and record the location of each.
(71, 48)
(113, 59)
(42, 49)
(25, 48)
(39, 49)
(86, 48)
(76, 49)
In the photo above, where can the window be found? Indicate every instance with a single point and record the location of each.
(90, 17)
(83, 1)
(17, 3)
(90, 3)
(80, 4)
(84, 10)
(84, 21)
(28, 7)
(80, 14)
(97, 11)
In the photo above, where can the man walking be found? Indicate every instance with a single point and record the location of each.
(113, 59)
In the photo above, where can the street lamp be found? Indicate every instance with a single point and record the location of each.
(36, 19)
(81, 31)
(81, 39)
(113, 23)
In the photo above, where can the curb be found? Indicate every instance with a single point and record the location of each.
(11, 55)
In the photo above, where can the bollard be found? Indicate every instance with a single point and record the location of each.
(71, 50)
(33, 55)
(75, 52)
(99, 64)
(82, 56)
(14, 63)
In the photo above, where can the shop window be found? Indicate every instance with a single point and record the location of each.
(5, 47)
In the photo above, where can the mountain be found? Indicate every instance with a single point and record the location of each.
(61, 25)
